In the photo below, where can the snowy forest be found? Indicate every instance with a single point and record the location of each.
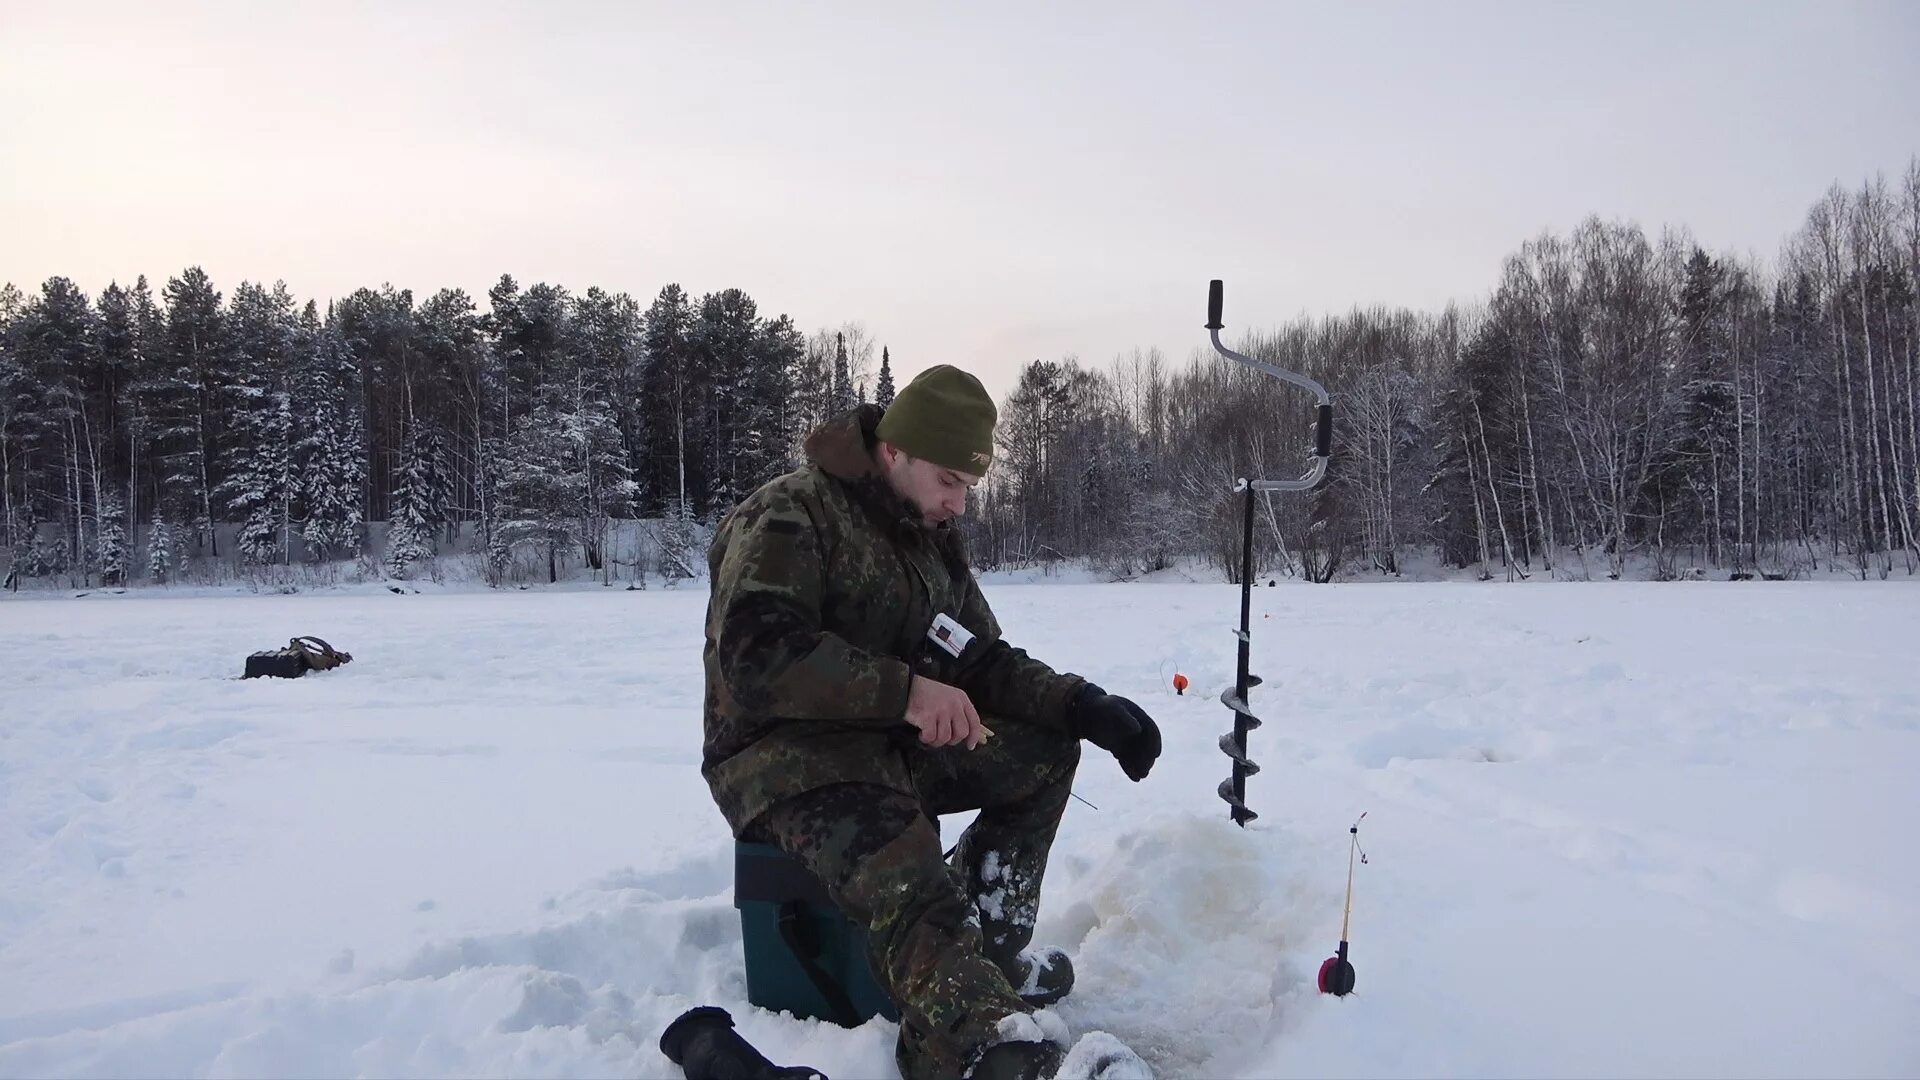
(1618, 400)
(534, 426)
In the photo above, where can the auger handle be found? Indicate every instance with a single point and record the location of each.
(1323, 420)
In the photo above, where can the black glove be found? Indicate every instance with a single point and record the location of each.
(705, 1046)
(1117, 726)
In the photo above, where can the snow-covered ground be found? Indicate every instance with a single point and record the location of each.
(1614, 829)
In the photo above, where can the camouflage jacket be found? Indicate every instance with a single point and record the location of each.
(823, 588)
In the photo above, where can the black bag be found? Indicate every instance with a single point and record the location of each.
(301, 655)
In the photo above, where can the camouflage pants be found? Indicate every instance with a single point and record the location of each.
(942, 936)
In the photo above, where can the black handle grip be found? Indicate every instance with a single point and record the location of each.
(1323, 432)
(1213, 305)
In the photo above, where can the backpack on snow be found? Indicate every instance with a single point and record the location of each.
(301, 655)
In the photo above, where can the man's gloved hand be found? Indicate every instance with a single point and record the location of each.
(1117, 726)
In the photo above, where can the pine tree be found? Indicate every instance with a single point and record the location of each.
(268, 498)
(724, 346)
(539, 488)
(608, 346)
(598, 464)
(160, 550)
(24, 561)
(121, 367)
(603, 346)
(381, 330)
(671, 473)
(189, 426)
(410, 524)
(330, 454)
(15, 408)
(575, 349)
(497, 549)
(29, 554)
(528, 331)
(58, 559)
(811, 397)
(440, 481)
(771, 419)
(506, 334)
(677, 543)
(55, 339)
(145, 397)
(883, 394)
(842, 388)
(449, 383)
(752, 362)
(1032, 426)
(565, 473)
(262, 332)
(1696, 479)
(112, 539)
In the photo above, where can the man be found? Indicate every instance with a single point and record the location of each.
(857, 687)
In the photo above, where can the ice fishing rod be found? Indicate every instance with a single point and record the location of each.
(1336, 974)
(1234, 745)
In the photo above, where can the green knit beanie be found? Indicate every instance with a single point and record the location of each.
(944, 416)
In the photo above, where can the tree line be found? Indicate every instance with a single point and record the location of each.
(1618, 397)
(533, 425)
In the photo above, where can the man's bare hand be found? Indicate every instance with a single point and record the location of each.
(943, 713)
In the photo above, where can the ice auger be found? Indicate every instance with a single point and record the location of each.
(1234, 745)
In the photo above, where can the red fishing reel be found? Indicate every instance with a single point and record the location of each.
(1336, 974)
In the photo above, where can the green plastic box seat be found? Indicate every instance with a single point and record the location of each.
(796, 940)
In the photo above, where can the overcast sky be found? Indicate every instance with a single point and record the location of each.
(980, 184)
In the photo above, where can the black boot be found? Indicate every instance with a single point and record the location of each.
(1018, 1061)
(705, 1046)
(1040, 976)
